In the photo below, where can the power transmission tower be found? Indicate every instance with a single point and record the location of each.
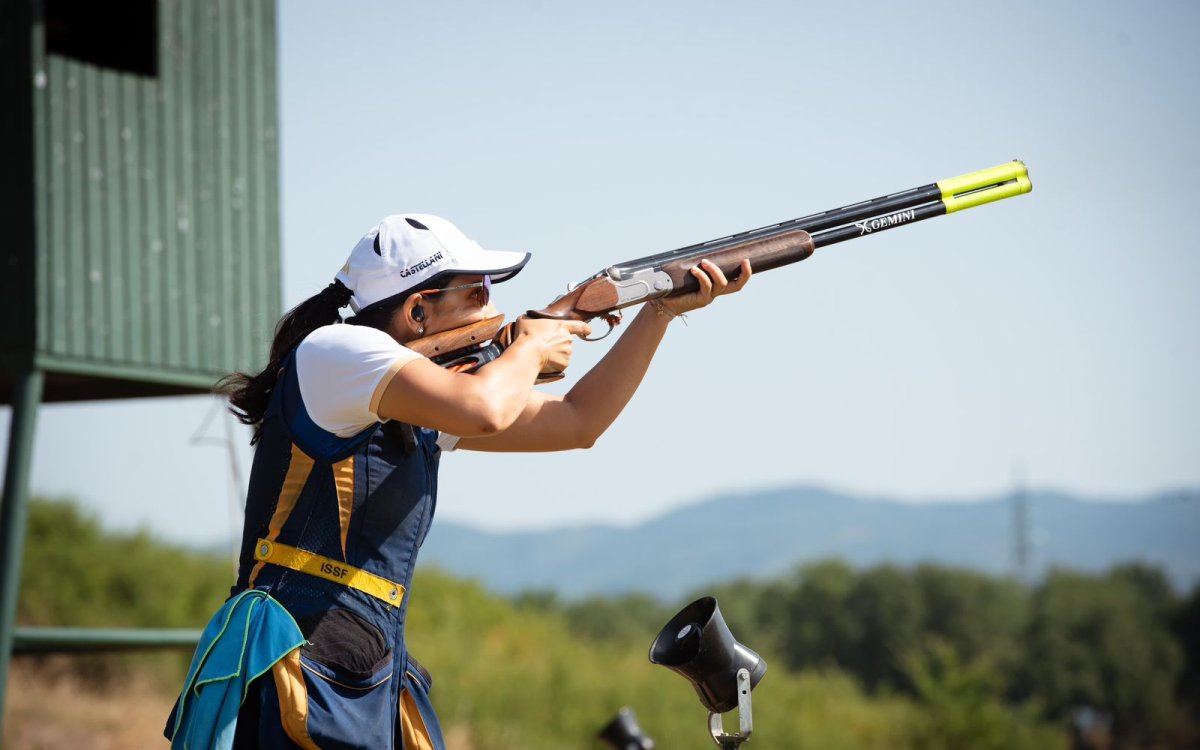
(1021, 547)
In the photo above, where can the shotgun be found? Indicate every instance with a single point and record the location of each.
(605, 293)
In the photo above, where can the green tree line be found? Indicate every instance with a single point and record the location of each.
(1120, 648)
(930, 657)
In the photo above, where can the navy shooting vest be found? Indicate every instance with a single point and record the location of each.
(332, 530)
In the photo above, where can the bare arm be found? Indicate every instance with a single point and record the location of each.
(484, 403)
(576, 420)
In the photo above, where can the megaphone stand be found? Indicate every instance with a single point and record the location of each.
(716, 726)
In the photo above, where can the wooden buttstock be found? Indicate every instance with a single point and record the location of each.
(764, 254)
(447, 342)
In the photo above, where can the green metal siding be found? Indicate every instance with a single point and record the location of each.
(157, 240)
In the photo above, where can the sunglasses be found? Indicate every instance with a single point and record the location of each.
(483, 296)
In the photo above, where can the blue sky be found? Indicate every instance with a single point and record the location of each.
(1052, 336)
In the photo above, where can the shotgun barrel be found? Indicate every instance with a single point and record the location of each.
(942, 197)
(668, 273)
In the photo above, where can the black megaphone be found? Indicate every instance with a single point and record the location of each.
(697, 644)
(623, 733)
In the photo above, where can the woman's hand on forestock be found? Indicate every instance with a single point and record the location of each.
(553, 338)
(713, 284)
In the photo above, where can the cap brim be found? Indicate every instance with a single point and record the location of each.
(501, 265)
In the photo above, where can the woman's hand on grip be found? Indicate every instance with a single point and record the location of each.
(553, 339)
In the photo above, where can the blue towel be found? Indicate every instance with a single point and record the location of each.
(242, 641)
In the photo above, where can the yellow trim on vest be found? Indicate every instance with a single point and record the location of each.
(299, 467)
(412, 724)
(343, 483)
(293, 699)
(267, 551)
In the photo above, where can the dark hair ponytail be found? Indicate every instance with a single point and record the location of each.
(249, 394)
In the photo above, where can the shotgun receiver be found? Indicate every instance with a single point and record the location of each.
(667, 274)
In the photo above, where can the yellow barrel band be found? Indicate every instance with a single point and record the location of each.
(313, 564)
(979, 197)
(983, 178)
(985, 186)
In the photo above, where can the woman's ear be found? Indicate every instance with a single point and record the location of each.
(409, 322)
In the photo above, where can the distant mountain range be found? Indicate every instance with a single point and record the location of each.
(765, 534)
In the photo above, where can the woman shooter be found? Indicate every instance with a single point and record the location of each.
(350, 424)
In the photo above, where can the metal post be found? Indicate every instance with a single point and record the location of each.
(745, 717)
(27, 395)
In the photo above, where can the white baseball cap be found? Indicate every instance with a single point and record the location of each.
(408, 250)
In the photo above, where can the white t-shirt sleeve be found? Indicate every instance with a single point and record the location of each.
(343, 371)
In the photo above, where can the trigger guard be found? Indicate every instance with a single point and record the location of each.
(599, 338)
(613, 319)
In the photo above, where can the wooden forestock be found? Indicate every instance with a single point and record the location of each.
(764, 254)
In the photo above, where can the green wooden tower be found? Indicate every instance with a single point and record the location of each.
(139, 200)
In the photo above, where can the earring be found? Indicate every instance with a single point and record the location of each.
(421, 331)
